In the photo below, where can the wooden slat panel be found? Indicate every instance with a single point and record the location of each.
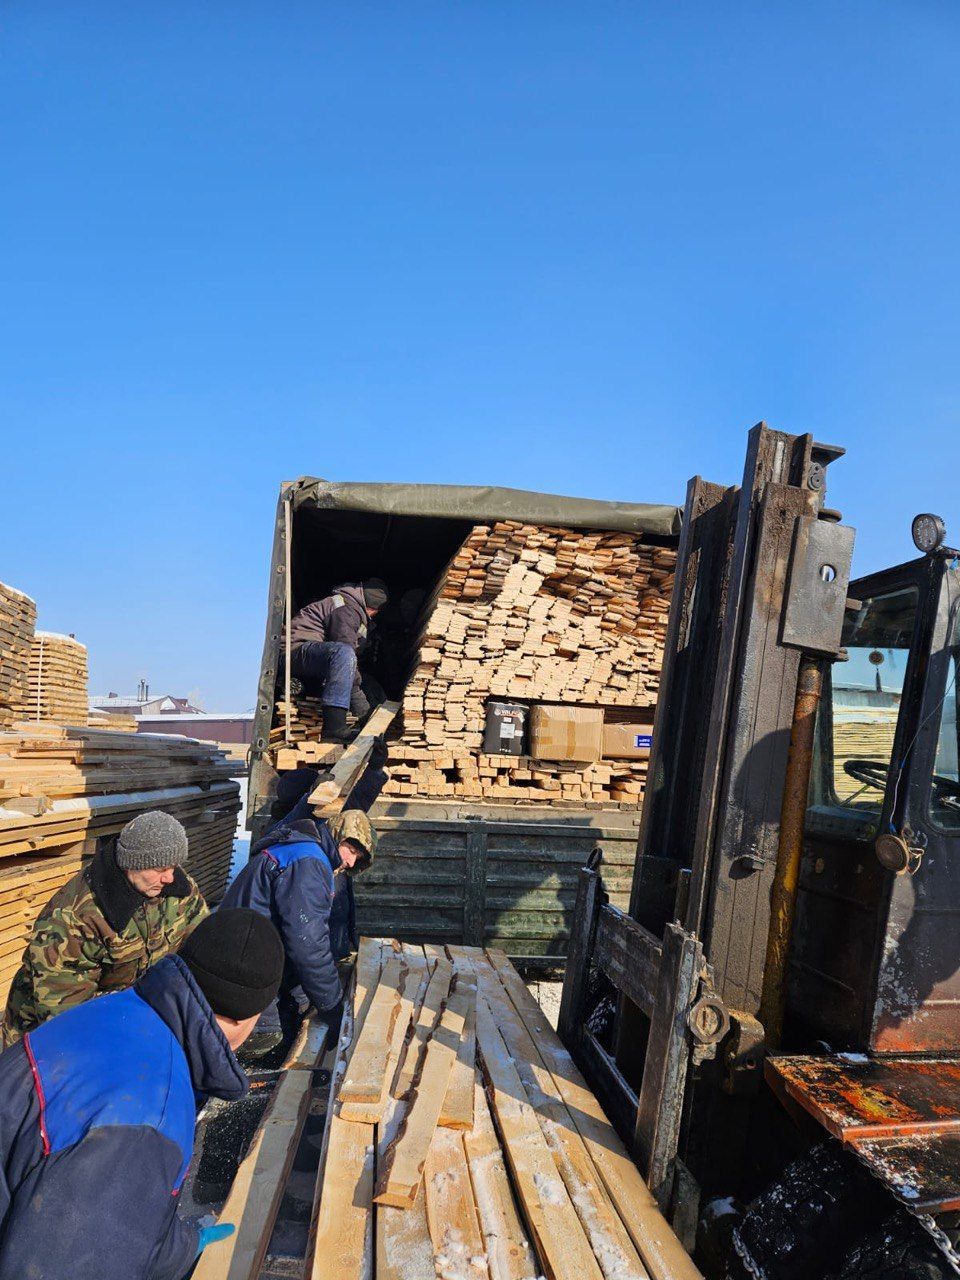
(629, 955)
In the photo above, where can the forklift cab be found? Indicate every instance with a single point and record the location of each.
(875, 965)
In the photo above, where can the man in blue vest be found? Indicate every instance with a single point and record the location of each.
(295, 879)
(98, 1110)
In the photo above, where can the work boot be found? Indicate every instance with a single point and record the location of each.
(334, 724)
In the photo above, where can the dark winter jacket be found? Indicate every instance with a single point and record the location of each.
(343, 913)
(292, 881)
(340, 616)
(97, 1118)
(96, 934)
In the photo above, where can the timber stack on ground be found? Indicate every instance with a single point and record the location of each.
(459, 1142)
(534, 615)
(63, 788)
(57, 680)
(18, 616)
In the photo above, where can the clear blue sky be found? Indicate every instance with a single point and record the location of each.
(576, 247)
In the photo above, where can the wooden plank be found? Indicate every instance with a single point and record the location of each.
(404, 1248)
(309, 1045)
(342, 1218)
(562, 1246)
(458, 1244)
(601, 1223)
(629, 955)
(364, 1081)
(474, 883)
(258, 1187)
(583, 930)
(329, 794)
(398, 1181)
(656, 1242)
(457, 1110)
(508, 1251)
(429, 1016)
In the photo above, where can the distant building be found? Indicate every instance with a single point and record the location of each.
(208, 726)
(164, 705)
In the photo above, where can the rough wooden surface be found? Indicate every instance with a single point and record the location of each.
(331, 791)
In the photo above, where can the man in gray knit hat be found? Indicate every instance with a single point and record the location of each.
(131, 905)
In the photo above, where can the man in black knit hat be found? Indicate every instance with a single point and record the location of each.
(98, 1110)
(325, 639)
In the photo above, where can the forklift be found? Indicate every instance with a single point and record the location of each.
(774, 1024)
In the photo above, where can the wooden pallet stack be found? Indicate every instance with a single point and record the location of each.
(460, 1142)
(533, 614)
(63, 788)
(56, 688)
(18, 616)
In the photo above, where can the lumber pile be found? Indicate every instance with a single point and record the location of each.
(62, 788)
(18, 616)
(462, 1143)
(118, 721)
(533, 614)
(56, 688)
(530, 614)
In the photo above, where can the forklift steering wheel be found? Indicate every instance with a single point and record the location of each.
(873, 773)
(869, 773)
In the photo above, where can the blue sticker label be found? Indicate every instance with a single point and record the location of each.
(643, 740)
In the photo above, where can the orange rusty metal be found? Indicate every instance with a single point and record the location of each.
(901, 1117)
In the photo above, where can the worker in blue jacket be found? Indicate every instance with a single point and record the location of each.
(98, 1110)
(293, 878)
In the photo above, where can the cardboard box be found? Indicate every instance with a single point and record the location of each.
(627, 741)
(505, 729)
(566, 733)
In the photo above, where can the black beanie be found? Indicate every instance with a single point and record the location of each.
(293, 786)
(236, 958)
(375, 593)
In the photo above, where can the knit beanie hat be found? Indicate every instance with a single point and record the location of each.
(152, 840)
(236, 957)
(375, 594)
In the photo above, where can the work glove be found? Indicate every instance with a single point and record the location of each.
(333, 1017)
(210, 1235)
(359, 706)
(379, 753)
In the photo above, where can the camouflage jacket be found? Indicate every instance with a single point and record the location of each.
(96, 934)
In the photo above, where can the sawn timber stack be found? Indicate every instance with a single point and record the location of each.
(462, 1143)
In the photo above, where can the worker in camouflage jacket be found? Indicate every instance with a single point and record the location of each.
(128, 908)
(325, 640)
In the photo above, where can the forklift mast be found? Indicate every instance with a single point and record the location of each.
(797, 884)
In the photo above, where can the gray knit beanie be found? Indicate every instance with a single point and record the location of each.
(152, 840)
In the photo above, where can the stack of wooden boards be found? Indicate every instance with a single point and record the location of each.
(18, 616)
(118, 721)
(541, 615)
(62, 788)
(57, 680)
(462, 1143)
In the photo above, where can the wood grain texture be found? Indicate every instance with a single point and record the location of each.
(258, 1187)
(328, 796)
(509, 1255)
(458, 1244)
(364, 1080)
(430, 1011)
(559, 1238)
(404, 1250)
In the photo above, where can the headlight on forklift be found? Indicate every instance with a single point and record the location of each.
(928, 532)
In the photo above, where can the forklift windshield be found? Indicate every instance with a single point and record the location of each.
(858, 715)
(945, 789)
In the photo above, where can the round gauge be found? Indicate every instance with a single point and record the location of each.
(928, 532)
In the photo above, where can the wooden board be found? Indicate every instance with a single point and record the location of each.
(258, 1187)
(430, 1011)
(364, 1081)
(398, 1181)
(509, 1256)
(457, 1110)
(458, 1244)
(664, 1256)
(562, 1246)
(329, 794)
(404, 1250)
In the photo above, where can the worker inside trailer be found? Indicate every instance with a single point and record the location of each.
(98, 1110)
(298, 875)
(326, 640)
(131, 905)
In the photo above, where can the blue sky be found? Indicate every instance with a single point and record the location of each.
(575, 247)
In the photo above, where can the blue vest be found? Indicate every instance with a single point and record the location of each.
(284, 854)
(112, 1061)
